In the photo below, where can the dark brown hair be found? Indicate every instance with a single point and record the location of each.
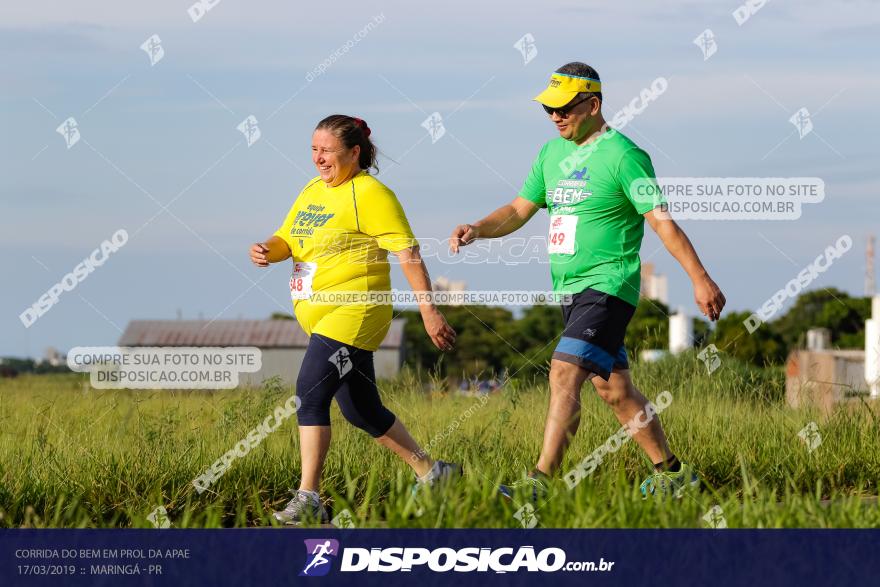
(352, 131)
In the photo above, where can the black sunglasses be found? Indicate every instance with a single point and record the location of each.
(563, 110)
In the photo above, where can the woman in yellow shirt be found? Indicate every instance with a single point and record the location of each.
(339, 232)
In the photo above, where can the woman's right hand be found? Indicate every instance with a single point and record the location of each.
(259, 253)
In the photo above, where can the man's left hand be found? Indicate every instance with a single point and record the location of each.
(709, 298)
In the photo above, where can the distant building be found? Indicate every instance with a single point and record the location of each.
(53, 357)
(446, 285)
(681, 332)
(282, 343)
(823, 377)
(654, 286)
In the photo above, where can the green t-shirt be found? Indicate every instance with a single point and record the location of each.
(596, 222)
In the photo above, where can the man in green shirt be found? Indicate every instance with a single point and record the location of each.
(587, 180)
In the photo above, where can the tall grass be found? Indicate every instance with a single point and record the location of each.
(71, 456)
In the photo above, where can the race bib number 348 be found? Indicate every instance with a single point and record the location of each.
(301, 280)
(563, 229)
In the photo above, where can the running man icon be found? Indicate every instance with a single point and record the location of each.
(317, 561)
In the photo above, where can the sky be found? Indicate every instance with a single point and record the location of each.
(161, 157)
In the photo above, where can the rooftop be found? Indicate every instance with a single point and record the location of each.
(223, 333)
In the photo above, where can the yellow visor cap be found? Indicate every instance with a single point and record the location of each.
(563, 88)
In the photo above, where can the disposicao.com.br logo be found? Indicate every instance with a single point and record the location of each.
(318, 552)
(442, 560)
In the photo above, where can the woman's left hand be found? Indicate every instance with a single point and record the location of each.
(441, 333)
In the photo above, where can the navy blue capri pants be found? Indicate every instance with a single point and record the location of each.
(333, 369)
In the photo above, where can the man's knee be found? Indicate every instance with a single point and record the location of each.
(617, 389)
(566, 377)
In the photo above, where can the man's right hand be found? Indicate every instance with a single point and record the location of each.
(259, 253)
(506, 219)
(464, 234)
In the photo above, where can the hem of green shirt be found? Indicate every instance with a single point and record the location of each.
(632, 301)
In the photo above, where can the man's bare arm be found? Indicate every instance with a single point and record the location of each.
(707, 294)
(506, 219)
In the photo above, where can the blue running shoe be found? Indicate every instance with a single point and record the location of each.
(668, 484)
(536, 483)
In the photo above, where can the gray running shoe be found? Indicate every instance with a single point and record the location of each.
(302, 508)
(441, 473)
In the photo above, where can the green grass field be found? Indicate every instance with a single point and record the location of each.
(71, 456)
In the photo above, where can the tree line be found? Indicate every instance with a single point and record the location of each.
(493, 340)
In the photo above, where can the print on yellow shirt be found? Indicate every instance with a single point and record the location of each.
(340, 238)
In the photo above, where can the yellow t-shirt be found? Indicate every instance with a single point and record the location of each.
(340, 237)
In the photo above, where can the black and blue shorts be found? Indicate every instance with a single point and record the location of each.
(595, 325)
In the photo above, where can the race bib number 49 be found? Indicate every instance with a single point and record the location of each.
(301, 280)
(562, 234)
